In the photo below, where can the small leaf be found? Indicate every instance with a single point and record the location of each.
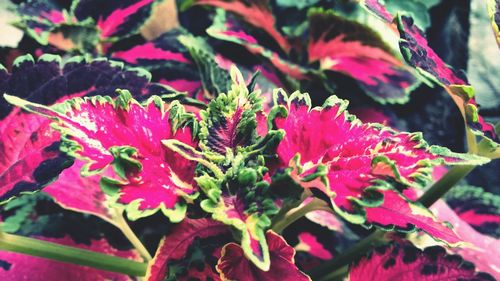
(230, 121)
(309, 243)
(234, 266)
(406, 262)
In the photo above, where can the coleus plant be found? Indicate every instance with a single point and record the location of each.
(231, 173)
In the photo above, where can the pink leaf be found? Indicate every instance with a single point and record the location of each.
(175, 247)
(233, 265)
(357, 164)
(308, 243)
(82, 194)
(482, 250)
(101, 131)
(257, 13)
(407, 263)
(358, 51)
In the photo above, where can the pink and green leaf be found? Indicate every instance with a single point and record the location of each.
(227, 29)
(356, 50)
(358, 165)
(82, 194)
(101, 132)
(482, 250)
(174, 250)
(233, 264)
(257, 13)
(417, 53)
(16, 266)
(477, 207)
(233, 211)
(309, 243)
(406, 262)
(230, 121)
(114, 18)
(397, 212)
(30, 156)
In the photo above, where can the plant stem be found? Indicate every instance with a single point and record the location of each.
(295, 214)
(122, 224)
(353, 253)
(443, 185)
(49, 250)
(471, 140)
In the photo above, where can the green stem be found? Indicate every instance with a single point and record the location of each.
(122, 224)
(49, 250)
(353, 253)
(471, 140)
(295, 214)
(443, 185)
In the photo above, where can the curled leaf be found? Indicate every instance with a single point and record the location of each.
(175, 252)
(233, 264)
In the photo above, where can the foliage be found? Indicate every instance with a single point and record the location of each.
(198, 140)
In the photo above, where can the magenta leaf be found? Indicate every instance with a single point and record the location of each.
(406, 262)
(359, 165)
(309, 243)
(167, 59)
(485, 252)
(85, 26)
(128, 135)
(114, 18)
(397, 212)
(477, 207)
(16, 266)
(417, 53)
(82, 194)
(176, 255)
(257, 13)
(29, 150)
(233, 264)
(351, 48)
(228, 29)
